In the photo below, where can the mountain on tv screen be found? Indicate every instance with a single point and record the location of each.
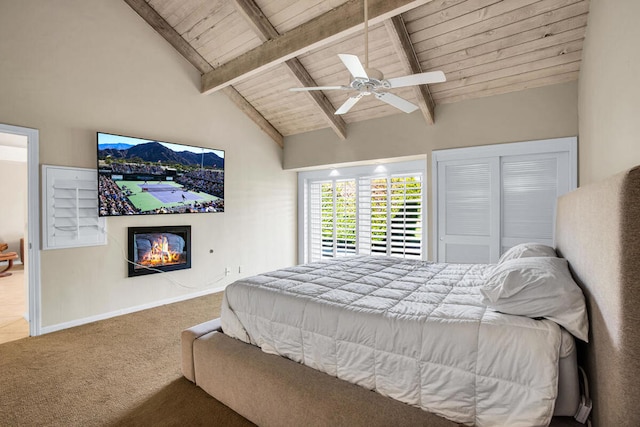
(143, 177)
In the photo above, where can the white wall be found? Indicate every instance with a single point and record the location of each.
(72, 67)
(609, 93)
(13, 202)
(541, 113)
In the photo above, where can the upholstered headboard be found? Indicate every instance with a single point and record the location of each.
(598, 232)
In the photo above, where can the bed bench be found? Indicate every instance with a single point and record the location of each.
(273, 391)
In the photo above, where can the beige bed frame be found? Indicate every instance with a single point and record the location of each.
(597, 230)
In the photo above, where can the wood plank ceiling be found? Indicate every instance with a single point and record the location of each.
(256, 50)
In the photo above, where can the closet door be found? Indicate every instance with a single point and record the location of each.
(490, 198)
(469, 210)
(530, 186)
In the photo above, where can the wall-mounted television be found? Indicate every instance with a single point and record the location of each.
(143, 177)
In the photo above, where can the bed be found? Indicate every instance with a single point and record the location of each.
(255, 383)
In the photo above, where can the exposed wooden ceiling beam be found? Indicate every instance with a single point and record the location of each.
(301, 75)
(338, 23)
(253, 16)
(158, 23)
(266, 31)
(403, 46)
(254, 115)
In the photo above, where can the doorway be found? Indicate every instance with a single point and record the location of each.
(19, 229)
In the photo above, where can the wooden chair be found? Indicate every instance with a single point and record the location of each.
(6, 256)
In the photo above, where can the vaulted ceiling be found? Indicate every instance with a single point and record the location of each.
(256, 50)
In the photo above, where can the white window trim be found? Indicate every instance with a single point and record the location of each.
(357, 172)
(554, 145)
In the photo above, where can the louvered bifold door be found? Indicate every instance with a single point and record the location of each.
(469, 211)
(530, 186)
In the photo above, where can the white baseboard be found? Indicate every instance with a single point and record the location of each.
(91, 319)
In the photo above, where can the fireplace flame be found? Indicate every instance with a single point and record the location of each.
(160, 253)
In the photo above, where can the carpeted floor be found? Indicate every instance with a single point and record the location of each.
(123, 371)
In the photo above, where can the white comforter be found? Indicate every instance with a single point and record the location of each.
(411, 330)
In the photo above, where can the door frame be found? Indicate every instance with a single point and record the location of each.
(33, 222)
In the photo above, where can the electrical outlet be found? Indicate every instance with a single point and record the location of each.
(239, 269)
(227, 271)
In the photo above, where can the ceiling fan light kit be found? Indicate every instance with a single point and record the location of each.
(369, 81)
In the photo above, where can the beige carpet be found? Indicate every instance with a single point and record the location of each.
(123, 371)
(120, 371)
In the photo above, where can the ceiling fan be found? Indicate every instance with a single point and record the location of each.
(369, 81)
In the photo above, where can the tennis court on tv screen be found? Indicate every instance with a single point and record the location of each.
(200, 190)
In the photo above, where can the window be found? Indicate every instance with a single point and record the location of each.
(391, 215)
(375, 210)
(332, 218)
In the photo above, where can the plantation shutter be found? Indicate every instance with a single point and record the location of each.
(367, 210)
(390, 216)
(70, 208)
(406, 216)
(372, 219)
(332, 219)
(315, 221)
(345, 217)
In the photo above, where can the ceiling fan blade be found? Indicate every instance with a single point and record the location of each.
(353, 64)
(418, 79)
(396, 101)
(302, 89)
(344, 108)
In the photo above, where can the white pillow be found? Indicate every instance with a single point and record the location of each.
(538, 287)
(526, 250)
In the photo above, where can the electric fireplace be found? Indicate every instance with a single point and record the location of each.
(159, 249)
